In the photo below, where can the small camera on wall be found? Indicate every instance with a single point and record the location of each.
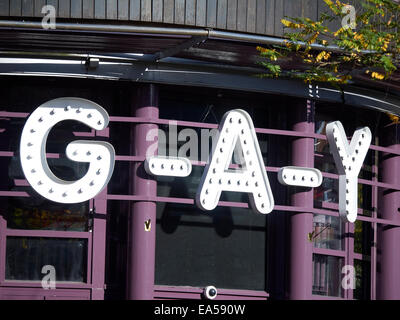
(210, 292)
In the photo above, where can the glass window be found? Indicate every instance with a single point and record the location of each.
(228, 246)
(363, 280)
(328, 191)
(116, 249)
(42, 214)
(363, 237)
(209, 106)
(365, 199)
(327, 275)
(328, 232)
(225, 248)
(26, 256)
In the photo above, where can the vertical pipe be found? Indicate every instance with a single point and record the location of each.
(349, 258)
(99, 238)
(302, 223)
(388, 277)
(3, 239)
(141, 240)
(99, 246)
(375, 193)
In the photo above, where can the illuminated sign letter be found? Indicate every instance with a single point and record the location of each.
(349, 160)
(236, 126)
(100, 155)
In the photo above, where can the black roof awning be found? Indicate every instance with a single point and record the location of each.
(207, 62)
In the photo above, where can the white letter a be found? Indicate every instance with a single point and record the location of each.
(236, 126)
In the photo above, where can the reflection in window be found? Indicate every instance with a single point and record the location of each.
(328, 232)
(25, 258)
(323, 158)
(225, 248)
(327, 276)
(328, 191)
(26, 213)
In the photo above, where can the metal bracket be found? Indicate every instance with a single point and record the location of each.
(92, 63)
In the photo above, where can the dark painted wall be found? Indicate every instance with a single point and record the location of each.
(253, 16)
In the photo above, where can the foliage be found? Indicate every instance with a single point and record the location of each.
(335, 56)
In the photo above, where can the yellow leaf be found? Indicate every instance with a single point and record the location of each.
(323, 55)
(377, 75)
(313, 38)
(339, 32)
(290, 24)
(286, 22)
(395, 119)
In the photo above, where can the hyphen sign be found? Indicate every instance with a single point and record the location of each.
(236, 128)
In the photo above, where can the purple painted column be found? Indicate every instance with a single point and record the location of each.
(99, 245)
(99, 237)
(388, 264)
(302, 223)
(142, 240)
(3, 239)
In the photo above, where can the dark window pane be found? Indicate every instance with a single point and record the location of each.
(116, 249)
(25, 258)
(37, 213)
(365, 198)
(363, 237)
(327, 275)
(180, 187)
(363, 280)
(225, 248)
(209, 106)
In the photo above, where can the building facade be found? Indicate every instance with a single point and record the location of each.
(168, 71)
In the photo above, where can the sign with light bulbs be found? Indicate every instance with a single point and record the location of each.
(99, 154)
(236, 128)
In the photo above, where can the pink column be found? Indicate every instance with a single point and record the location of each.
(302, 223)
(99, 246)
(99, 237)
(388, 253)
(141, 240)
